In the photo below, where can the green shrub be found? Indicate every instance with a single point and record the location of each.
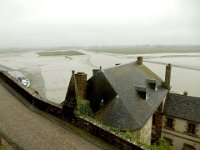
(84, 107)
(162, 145)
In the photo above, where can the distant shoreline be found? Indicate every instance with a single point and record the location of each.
(145, 49)
(116, 49)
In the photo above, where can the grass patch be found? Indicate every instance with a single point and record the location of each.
(145, 49)
(2, 147)
(162, 145)
(60, 53)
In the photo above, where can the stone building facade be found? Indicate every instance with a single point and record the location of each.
(182, 134)
(180, 125)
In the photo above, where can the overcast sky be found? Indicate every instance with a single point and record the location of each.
(38, 23)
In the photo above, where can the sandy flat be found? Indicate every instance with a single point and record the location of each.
(50, 75)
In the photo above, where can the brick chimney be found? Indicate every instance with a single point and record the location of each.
(140, 60)
(81, 81)
(168, 76)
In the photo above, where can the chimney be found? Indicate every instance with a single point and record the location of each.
(139, 60)
(100, 68)
(185, 93)
(142, 92)
(168, 76)
(81, 81)
(94, 71)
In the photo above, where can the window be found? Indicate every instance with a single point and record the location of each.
(191, 128)
(169, 123)
(188, 147)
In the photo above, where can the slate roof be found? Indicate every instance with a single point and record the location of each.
(126, 109)
(184, 107)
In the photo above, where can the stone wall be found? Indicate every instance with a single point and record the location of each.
(145, 132)
(105, 134)
(32, 96)
(178, 134)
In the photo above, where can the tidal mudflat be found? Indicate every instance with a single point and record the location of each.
(50, 75)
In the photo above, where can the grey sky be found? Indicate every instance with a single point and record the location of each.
(27, 23)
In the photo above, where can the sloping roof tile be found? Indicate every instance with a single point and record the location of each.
(182, 106)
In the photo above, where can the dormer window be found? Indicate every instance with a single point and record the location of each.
(142, 92)
(152, 84)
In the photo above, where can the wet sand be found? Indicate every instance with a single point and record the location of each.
(50, 75)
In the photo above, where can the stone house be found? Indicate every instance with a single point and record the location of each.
(131, 97)
(181, 121)
(126, 96)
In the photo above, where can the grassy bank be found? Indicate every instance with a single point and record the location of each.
(145, 49)
(59, 53)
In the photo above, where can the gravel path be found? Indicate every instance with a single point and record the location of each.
(32, 131)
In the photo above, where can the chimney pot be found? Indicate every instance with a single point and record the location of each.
(81, 73)
(185, 93)
(140, 60)
(100, 68)
(81, 81)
